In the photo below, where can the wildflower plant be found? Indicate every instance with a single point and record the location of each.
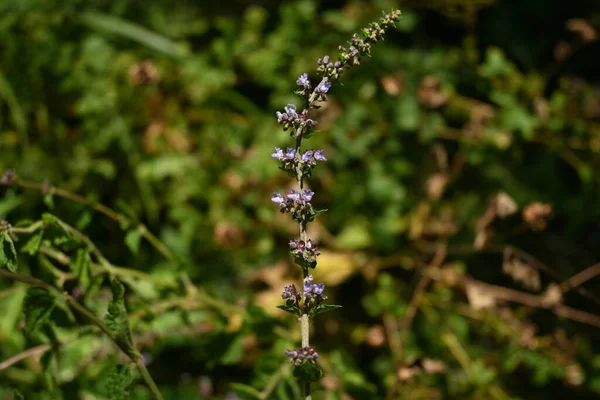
(299, 163)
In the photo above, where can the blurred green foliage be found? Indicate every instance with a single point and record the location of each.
(447, 151)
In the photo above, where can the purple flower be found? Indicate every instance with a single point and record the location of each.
(294, 196)
(277, 198)
(318, 288)
(289, 155)
(323, 87)
(319, 155)
(313, 290)
(278, 153)
(307, 195)
(304, 250)
(308, 284)
(290, 110)
(301, 355)
(303, 81)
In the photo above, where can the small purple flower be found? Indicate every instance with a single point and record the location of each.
(313, 290)
(307, 156)
(278, 153)
(289, 155)
(318, 288)
(307, 195)
(301, 355)
(277, 198)
(319, 155)
(308, 284)
(324, 60)
(303, 82)
(323, 87)
(294, 196)
(290, 110)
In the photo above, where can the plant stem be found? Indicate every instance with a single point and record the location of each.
(136, 357)
(102, 209)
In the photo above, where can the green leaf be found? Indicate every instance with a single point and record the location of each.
(132, 240)
(84, 219)
(321, 308)
(315, 214)
(234, 352)
(49, 376)
(116, 318)
(137, 33)
(39, 304)
(249, 390)
(8, 253)
(291, 309)
(118, 381)
(33, 244)
(49, 200)
(308, 372)
(18, 395)
(80, 266)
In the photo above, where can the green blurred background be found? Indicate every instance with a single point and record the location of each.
(464, 153)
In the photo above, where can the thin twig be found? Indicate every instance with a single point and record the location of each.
(34, 351)
(579, 278)
(501, 248)
(102, 209)
(515, 296)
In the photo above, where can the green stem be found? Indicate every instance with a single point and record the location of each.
(102, 209)
(136, 357)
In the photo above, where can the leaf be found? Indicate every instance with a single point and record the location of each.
(234, 352)
(116, 318)
(18, 395)
(308, 372)
(49, 376)
(84, 219)
(316, 213)
(321, 308)
(291, 309)
(17, 114)
(80, 266)
(33, 244)
(137, 33)
(38, 307)
(49, 200)
(249, 390)
(118, 381)
(132, 240)
(8, 253)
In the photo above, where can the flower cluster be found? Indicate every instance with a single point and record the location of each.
(359, 47)
(307, 303)
(290, 118)
(307, 300)
(313, 290)
(297, 203)
(303, 164)
(292, 295)
(305, 251)
(303, 354)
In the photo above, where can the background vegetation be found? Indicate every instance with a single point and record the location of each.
(462, 188)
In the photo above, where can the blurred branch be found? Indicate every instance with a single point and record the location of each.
(121, 219)
(92, 318)
(578, 279)
(500, 249)
(34, 351)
